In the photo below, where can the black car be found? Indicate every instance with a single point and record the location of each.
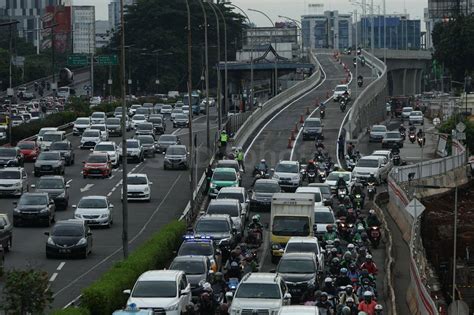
(164, 141)
(11, 157)
(145, 128)
(220, 228)
(56, 188)
(65, 148)
(299, 271)
(49, 162)
(391, 138)
(159, 126)
(114, 126)
(70, 238)
(262, 193)
(148, 144)
(34, 208)
(6, 229)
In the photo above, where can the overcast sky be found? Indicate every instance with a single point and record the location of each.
(293, 8)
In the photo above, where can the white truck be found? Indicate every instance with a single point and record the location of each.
(291, 215)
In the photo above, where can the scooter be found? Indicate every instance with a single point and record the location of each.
(412, 137)
(403, 134)
(374, 236)
(396, 159)
(343, 106)
(421, 141)
(322, 113)
(321, 176)
(359, 83)
(254, 237)
(341, 193)
(358, 204)
(311, 174)
(371, 191)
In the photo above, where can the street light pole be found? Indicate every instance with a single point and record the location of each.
(206, 74)
(226, 108)
(384, 34)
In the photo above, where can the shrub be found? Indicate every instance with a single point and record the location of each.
(105, 295)
(72, 311)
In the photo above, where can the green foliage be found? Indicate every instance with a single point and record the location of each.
(26, 291)
(451, 123)
(72, 311)
(105, 295)
(454, 45)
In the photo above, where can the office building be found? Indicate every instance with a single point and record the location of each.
(441, 9)
(102, 33)
(328, 30)
(114, 13)
(83, 29)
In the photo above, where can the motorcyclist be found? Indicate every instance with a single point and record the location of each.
(329, 287)
(233, 266)
(368, 304)
(338, 247)
(323, 304)
(348, 308)
(349, 294)
(218, 283)
(350, 149)
(372, 219)
(358, 234)
(395, 149)
(372, 179)
(346, 259)
(352, 273)
(402, 128)
(334, 266)
(378, 309)
(341, 183)
(255, 224)
(330, 234)
(364, 287)
(249, 264)
(341, 211)
(311, 166)
(369, 265)
(348, 202)
(358, 189)
(342, 279)
(360, 78)
(420, 134)
(351, 217)
(319, 144)
(412, 129)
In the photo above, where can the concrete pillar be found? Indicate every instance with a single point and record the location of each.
(404, 80)
(419, 80)
(409, 81)
(398, 79)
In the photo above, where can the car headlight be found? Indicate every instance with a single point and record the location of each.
(50, 241)
(274, 311)
(311, 281)
(213, 185)
(62, 195)
(75, 129)
(296, 177)
(77, 216)
(17, 184)
(275, 176)
(82, 241)
(146, 190)
(44, 210)
(105, 215)
(173, 307)
(224, 241)
(16, 210)
(235, 311)
(276, 247)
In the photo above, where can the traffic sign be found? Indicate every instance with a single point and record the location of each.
(77, 60)
(415, 208)
(461, 136)
(106, 60)
(460, 127)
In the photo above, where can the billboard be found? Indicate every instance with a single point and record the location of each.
(60, 16)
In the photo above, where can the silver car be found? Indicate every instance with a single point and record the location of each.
(377, 133)
(176, 157)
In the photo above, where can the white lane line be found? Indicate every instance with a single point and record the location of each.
(109, 194)
(176, 131)
(68, 182)
(61, 265)
(111, 177)
(71, 283)
(87, 187)
(53, 277)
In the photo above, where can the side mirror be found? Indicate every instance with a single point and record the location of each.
(273, 270)
(83, 162)
(185, 291)
(287, 296)
(111, 206)
(150, 183)
(127, 291)
(272, 170)
(33, 185)
(2, 227)
(74, 206)
(15, 203)
(51, 202)
(91, 149)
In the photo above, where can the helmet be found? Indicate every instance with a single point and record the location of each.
(368, 256)
(420, 130)
(367, 294)
(352, 266)
(346, 310)
(337, 240)
(223, 131)
(349, 289)
(335, 261)
(328, 280)
(350, 246)
(402, 126)
(311, 161)
(333, 250)
(347, 199)
(263, 161)
(360, 227)
(207, 286)
(329, 227)
(343, 271)
(324, 294)
(218, 276)
(256, 218)
(371, 211)
(378, 307)
(347, 255)
(350, 300)
(342, 207)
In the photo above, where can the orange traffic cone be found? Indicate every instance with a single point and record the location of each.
(295, 130)
(292, 137)
(327, 95)
(290, 144)
(301, 119)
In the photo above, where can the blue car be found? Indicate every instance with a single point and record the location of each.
(196, 109)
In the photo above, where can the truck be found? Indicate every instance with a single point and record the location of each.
(66, 77)
(291, 215)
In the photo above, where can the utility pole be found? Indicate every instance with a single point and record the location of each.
(206, 75)
(384, 34)
(226, 108)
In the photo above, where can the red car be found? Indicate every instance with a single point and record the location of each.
(29, 149)
(97, 165)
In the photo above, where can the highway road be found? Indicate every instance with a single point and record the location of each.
(69, 277)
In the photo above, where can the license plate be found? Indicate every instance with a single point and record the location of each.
(285, 182)
(90, 221)
(63, 251)
(295, 290)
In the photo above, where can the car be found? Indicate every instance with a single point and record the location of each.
(135, 150)
(39, 137)
(49, 163)
(377, 132)
(98, 164)
(111, 149)
(313, 191)
(11, 157)
(174, 112)
(181, 121)
(185, 109)
(145, 128)
(3, 132)
(260, 293)
(95, 211)
(29, 149)
(306, 244)
(313, 129)
(159, 126)
(197, 270)
(406, 111)
(196, 246)
(104, 134)
(137, 119)
(81, 124)
(94, 101)
(166, 109)
(219, 227)
(117, 112)
(384, 153)
(114, 127)
(133, 108)
(56, 188)
(176, 157)
(300, 273)
(164, 141)
(323, 216)
(98, 118)
(34, 208)
(13, 181)
(90, 137)
(69, 238)
(17, 121)
(232, 208)
(325, 190)
(143, 111)
(128, 122)
(157, 107)
(339, 90)
(138, 187)
(287, 173)
(65, 149)
(50, 137)
(366, 165)
(237, 193)
(332, 178)
(299, 310)
(222, 177)
(148, 144)
(230, 164)
(6, 233)
(391, 138)
(262, 193)
(416, 117)
(166, 290)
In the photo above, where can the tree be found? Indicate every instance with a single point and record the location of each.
(450, 124)
(26, 291)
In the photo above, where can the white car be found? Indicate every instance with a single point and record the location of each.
(90, 137)
(299, 310)
(406, 111)
(340, 90)
(167, 290)
(303, 244)
(332, 178)
(39, 138)
(238, 193)
(50, 137)
(13, 181)
(322, 217)
(17, 121)
(104, 133)
(260, 293)
(378, 165)
(95, 210)
(386, 154)
(377, 133)
(185, 109)
(138, 119)
(416, 117)
(94, 101)
(98, 118)
(166, 109)
(315, 192)
(175, 112)
(288, 175)
(81, 124)
(133, 108)
(111, 149)
(138, 187)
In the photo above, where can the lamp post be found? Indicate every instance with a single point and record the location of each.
(275, 92)
(298, 26)
(206, 75)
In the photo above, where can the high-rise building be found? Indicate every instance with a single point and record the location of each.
(440, 9)
(83, 19)
(102, 33)
(328, 30)
(114, 13)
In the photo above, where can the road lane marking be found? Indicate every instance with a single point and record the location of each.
(61, 265)
(68, 182)
(176, 131)
(53, 277)
(87, 187)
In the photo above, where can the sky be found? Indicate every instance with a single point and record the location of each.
(294, 8)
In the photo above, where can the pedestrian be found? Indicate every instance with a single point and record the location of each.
(341, 143)
(240, 158)
(209, 173)
(223, 139)
(388, 108)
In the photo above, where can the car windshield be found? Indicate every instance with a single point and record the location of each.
(155, 120)
(196, 249)
(26, 145)
(146, 140)
(166, 107)
(91, 133)
(7, 152)
(43, 131)
(113, 121)
(67, 230)
(167, 138)
(325, 190)
(258, 291)
(59, 146)
(296, 266)
(181, 117)
(32, 200)
(132, 144)
(335, 176)
(368, 163)
(139, 117)
(177, 111)
(50, 183)
(341, 88)
(154, 289)
(301, 247)
(317, 196)
(231, 195)
(290, 226)
(10, 174)
(407, 109)
(312, 123)
(82, 121)
(98, 127)
(176, 151)
(212, 226)
(104, 148)
(393, 135)
(416, 114)
(49, 156)
(98, 115)
(323, 217)
(52, 137)
(142, 111)
(136, 180)
(90, 203)
(145, 126)
(96, 158)
(224, 176)
(263, 187)
(286, 168)
(189, 267)
(379, 129)
(231, 210)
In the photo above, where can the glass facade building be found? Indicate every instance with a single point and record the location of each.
(328, 30)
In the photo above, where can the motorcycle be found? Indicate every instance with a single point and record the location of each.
(396, 159)
(371, 191)
(343, 106)
(303, 172)
(359, 83)
(322, 113)
(374, 236)
(311, 174)
(421, 141)
(403, 134)
(321, 176)
(254, 237)
(358, 201)
(341, 193)
(350, 163)
(412, 137)
(232, 284)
